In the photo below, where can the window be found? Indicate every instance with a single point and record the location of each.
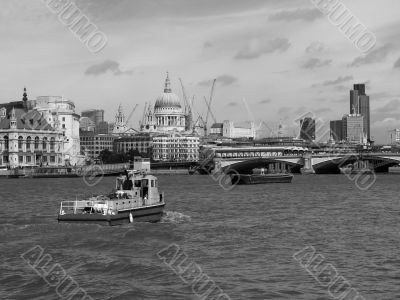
(6, 143)
(29, 159)
(20, 159)
(36, 143)
(52, 159)
(63, 119)
(63, 126)
(44, 144)
(52, 144)
(44, 158)
(28, 143)
(20, 142)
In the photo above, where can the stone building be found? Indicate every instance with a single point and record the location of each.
(176, 147)
(27, 138)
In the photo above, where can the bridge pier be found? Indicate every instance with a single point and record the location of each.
(308, 164)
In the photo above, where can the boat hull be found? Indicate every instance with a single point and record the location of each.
(151, 214)
(261, 179)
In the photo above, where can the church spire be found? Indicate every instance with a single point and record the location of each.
(167, 88)
(24, 95)
(25, 99)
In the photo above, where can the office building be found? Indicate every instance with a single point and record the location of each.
(336, 130)
(176, 147)
(92, 144)
(360, 104)
(96, 115)
(307, 129)
(143, 143)
(353, 129)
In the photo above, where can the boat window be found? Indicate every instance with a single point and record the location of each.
(137, 183)
(145, 182)
(152, 183)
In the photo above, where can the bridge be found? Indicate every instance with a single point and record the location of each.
(293, 159)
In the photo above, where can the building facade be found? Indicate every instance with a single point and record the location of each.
(96, 115)
(60, 113)
(353, 129)
(92, 144)
(230, 130)
(175, 147)
(360, 104)
(336, 130)
(143, 143)
(27, 138)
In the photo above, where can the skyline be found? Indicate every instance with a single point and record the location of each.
(284, 58)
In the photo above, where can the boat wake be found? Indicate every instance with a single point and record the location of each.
(174, 217)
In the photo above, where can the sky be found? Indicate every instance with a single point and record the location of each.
(274, 60)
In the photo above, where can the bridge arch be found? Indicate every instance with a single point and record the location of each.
(245, 167)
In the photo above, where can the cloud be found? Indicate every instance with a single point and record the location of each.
(106, 66)
(339, 80)
(232, 104)
(316, 47)
(265, 101)
(223, 80)
(323, 110)
(313, 63)
(257, 48)
(284, 111)
(389, 107)
(376, 55)
(387, 123)
(304, 14)
(397, 64)
(208, 44)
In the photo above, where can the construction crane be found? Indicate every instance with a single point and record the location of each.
(144, 114)
(131, 114)
(209, 107)
(209, 110)
(188, 108)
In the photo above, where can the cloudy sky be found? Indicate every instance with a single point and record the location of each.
(282, 56)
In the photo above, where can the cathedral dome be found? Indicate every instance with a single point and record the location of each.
(167, 99)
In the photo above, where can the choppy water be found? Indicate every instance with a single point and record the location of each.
(243, 239)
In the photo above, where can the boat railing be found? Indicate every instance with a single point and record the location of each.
(85, 206)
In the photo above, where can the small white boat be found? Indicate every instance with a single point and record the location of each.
(135, 198)
(394, 170)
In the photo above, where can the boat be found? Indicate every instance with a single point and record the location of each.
(52, 172)
(356, 169)
(135, 198)
(394, 169)
(260, 177)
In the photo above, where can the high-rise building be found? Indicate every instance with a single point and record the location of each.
(353, 128)
(96, 115)
(359, 104)
(337, 130)
(307, 129)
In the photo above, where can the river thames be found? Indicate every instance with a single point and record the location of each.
(243, 239)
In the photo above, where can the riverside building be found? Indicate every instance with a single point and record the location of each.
(27, 137)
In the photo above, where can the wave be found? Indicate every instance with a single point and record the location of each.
(175, 217)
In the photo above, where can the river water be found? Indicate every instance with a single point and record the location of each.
(243, 239)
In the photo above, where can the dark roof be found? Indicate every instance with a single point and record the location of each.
(217, 125)
(9, 106)
(30, 120)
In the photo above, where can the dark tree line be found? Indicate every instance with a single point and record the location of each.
(108, 157)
